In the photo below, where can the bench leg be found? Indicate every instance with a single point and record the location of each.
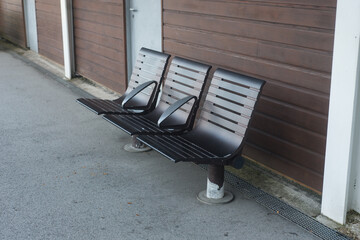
(215, 193)
(136, 145)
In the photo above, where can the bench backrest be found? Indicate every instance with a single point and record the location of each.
(229, 106)
(150, 66)
(184, 78)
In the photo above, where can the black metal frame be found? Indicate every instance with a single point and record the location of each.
(219, 135)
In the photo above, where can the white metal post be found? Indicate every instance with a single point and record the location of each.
(215, 192)
(342, 109)
(67, 34)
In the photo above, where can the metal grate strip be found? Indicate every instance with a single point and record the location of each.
(283, 209)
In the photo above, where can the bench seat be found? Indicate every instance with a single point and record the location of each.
(179, 148)
(103, 106)
(135, 125)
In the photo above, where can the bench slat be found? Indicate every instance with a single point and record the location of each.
(183, 71)
(156, 71)
(235, 88)
(239, 78)
(178, 95)
(210, 107)
(145, 74)
(150, 60)
(229, 105)
(232, 97)
(186, 107)
(223, 122)
(190, 82)
(182, 88)
(188, 92)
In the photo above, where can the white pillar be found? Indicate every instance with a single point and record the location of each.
(342, 111)
(354, 202)
(67, 35)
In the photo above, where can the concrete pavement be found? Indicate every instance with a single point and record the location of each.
(64, 175)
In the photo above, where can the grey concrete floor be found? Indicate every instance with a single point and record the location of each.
(64, 175)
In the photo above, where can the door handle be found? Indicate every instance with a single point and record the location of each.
(132, 10)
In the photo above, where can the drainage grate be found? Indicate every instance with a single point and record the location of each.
(282, 208)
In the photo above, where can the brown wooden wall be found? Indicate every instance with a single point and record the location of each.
(48, 17)
(289, 44)
(12, 24)
(99, 42)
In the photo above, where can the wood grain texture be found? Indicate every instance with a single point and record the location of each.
(48, 17)
(288, 44)
(12, 23)
(100, 42)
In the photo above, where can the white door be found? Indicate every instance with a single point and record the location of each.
(30, 23)
(143, 27)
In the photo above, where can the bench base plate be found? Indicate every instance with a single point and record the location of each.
(228, 197)
(136, 146)
(130, 148)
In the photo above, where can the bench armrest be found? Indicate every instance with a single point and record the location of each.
(125, 103)
(173, 108)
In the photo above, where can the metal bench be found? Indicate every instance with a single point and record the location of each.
(143, 89)
(219, 135)
(178, 103)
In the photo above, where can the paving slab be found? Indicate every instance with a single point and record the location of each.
(64, 175)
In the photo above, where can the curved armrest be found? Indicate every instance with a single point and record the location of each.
(134, 92)
(170, 110)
